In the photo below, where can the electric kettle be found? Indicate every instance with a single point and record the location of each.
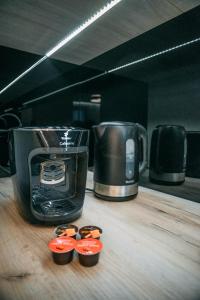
(168, 154)
(117, 159)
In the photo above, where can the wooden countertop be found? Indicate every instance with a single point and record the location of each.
(151, 251)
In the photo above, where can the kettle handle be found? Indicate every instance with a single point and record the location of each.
(98, 131)
(143, 137)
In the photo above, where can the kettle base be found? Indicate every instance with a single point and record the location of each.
(160, 182)
(166, 178)
(116, 199)
(115, 192)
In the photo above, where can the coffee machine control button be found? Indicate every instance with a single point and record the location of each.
(130, 150)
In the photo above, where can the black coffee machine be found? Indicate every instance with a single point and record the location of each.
(117, 159)
(168, 154)
(7, 121)
(49, 170)
(4, 155)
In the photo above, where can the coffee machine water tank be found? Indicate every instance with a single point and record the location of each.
(49, 170)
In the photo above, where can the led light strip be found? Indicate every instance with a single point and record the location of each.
(23, 74)
(95, 17)
(68, 38)
(112, 71)
(8, 109)
(64, 88)
(153, 55)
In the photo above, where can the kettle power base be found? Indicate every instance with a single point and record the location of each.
(166, 178)
(115, 192)
(167, 183)
(115, 199)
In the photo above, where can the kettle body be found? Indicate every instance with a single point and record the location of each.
(49, 170)
(168, 154)
(116, 159)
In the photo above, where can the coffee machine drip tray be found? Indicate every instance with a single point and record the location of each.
(57, 206)
(53, 185)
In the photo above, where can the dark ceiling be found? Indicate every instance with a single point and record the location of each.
(53, 74)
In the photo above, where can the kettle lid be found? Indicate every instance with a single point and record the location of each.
(169, 125)
(117, 123)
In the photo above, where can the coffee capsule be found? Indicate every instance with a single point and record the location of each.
(69, 230)
(90, 231)
(88, 251)
(62, 249)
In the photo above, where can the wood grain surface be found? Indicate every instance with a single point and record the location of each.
(151, 251)
(189, 190)
(37, 26)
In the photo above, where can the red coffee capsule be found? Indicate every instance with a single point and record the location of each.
(88, 251)
(62, 249)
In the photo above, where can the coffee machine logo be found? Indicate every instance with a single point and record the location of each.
(66, 140)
